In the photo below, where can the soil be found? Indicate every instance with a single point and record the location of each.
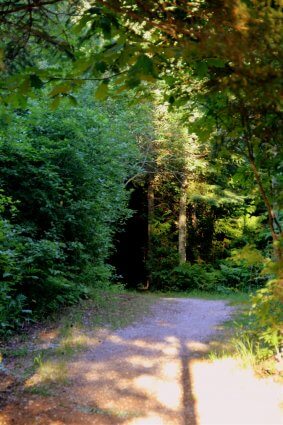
(153, 372)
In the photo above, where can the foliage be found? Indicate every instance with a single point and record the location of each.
(197, 276)
(243, 269)
(226, 279)
(63, 198)
(224, 276)
(63, 173)
(267, 316)
(132, 44)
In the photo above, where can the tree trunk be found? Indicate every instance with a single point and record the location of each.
(272, 219)
(183, 222)
(150, 218)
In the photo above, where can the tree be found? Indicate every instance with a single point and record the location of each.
(182, 225)
(132, 44)
(62, 200)
(253, 133)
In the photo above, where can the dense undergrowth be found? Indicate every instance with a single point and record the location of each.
(62, 199)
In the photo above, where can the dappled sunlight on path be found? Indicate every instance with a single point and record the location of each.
(141, 377)
(149, 373)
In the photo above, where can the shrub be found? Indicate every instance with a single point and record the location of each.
(13, 305)
(243, 270)
(12, 309)
(267, 315)
(187, 277)
(63, 197)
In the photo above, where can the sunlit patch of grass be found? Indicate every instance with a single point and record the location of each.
(246, 351)
(49, 371)
(40, 361)
(232, 297)
(220, 346)
(72, 343)
(16, 352)
(233, 340)
(114, 310)
(120, 414)
(243, 350)
(53, 371)
(41, 390)
(237, 341)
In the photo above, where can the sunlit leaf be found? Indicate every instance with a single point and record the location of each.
(102, 91)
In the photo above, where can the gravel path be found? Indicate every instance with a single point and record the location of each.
(176, 326)
(153, 373)
(140, 375)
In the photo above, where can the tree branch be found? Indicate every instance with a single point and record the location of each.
(28, 7)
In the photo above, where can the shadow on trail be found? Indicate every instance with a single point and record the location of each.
(136, 376)
(188, 400)
(121, 382)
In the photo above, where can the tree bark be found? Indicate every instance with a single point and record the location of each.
(183, 222)
(272, 219)
(150, 218)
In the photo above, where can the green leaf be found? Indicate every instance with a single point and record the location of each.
(133, 82)
(2, 65)
(101, 66)
(201, 69)
(24, 87)
(62, 88)
(82, 24)
(218, 63)
(105, 25)
(17, 100)
(82, 65)
(102, 91)
(35, 81)
(73, 101)
(55, 103)
(144, 66)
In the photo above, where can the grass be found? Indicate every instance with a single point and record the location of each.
(238, 340)
(16, 352)
(41, 390)
(46, 378)
(233, 297)
(72, 344)
(53, 371)
(119, 414)
(247, 352)
(41, 361)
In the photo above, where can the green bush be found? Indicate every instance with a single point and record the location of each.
(267, 315)
(187, 277)
(12, 309)
(62, 199)
(224, 277)
(243, 269)
(32, 277)
(236, 277)
(13, 305)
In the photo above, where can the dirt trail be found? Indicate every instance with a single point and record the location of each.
(152, 373)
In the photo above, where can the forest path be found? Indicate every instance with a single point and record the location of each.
(153, 373)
